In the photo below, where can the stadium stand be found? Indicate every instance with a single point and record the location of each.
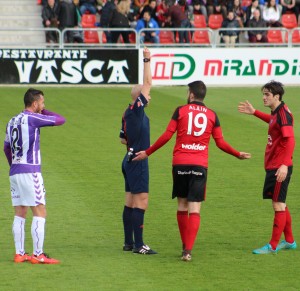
(201, 37)
(88, 20)
(215, 21)
(295, 37)
(91, 36)
(274, 36)
(199, 21)
(26, 16)
(20, 14)
(166, 36)
(245, 4)
(289, 20)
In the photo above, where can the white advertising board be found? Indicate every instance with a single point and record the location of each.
(223, 66)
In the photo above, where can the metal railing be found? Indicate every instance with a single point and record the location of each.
(35, 38)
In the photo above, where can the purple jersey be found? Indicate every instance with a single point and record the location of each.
(23, 139)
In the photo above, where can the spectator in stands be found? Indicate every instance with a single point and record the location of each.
(45, 2)
(106, 14)
(290, 6)
(238, 12)
(151, 7)
(264, 3)
(271, 14)
(179, 19)
(250, 11)
(217, 7)
(230, 36)
(185, 7)
(199, 8)
(148, 22)
(257, 22)
(133, 16)
(88, 5)
(189, 6)
(68, 19)
(50, 13)
(161, 14)
(78, 34)
(119, 19)
(138, 5)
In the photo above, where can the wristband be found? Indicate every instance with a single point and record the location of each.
(146, 60)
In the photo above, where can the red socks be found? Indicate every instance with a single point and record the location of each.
(194, 224)
(188, 228)
(288, 234)
(183, 221)
(278, 227)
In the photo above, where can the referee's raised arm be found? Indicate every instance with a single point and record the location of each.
(147, 77)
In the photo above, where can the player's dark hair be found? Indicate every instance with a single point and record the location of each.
(276, 88)
(32, 95)
(198, 88)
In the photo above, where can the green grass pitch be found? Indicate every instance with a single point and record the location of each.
(85, 195)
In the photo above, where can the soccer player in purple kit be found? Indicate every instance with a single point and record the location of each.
(278, 163)
(135, 134)
(22, 150)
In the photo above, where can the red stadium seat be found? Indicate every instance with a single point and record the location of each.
(199, 21)
(295, 36)
(201, 36)
(289, 20)
(166, 36)
(274, 36)
(132, 37)
(91, 36)
(246, 3)
(88, 20)
(215, 21)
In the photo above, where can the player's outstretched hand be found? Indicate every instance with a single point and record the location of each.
(140, 156)
(246, 107)
(244, 156)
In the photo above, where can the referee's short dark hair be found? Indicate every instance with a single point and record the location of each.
(198, 88)
(32, 95)
(276, 88)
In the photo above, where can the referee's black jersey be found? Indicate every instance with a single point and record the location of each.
(135, 125)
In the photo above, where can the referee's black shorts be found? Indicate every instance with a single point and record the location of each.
(189, 182)
(277, 191)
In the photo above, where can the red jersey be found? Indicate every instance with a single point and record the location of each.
(194, 124)
(281, 140)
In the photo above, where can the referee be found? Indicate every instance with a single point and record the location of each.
(135, 134)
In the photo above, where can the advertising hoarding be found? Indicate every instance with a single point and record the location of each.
(68, 66)
(224, 66)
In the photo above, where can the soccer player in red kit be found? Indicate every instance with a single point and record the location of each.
(194, 124)
(278, 163)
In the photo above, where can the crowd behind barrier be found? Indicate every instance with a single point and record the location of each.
(199, 37)
(179, 23)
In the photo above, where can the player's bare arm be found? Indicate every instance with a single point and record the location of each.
(246, 107)
(140, 156)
